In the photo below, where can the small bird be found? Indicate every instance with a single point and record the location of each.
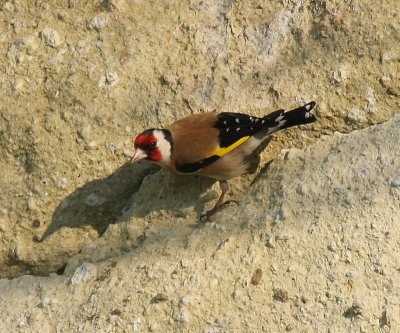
(214, 145)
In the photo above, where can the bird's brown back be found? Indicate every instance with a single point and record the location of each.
(195, 137)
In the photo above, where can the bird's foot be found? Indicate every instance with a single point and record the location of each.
(206, 217)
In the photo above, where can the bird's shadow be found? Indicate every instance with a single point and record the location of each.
(133, 190)
(129, 191)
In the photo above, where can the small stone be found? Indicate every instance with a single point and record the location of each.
(94, 200)
(83, 273)
(50, 37)
(99, 22)
(32, 204)
(257, 276)
(90, 145)
(22, 320)
(37, 238)
(237, 294)
(110, 79)
(281, 295)
(185, 263)
(154, 327)
(136, 323)
(188, 300)
(8, 7)
(184, 316)
(289, 328)
(347, 257)
(169, 289)
(46, 302)
(339, 75)
(128, 153)
(355, 311)
(27, 43)
(285, 212)
(270, 242)
(114, 147)
(159, 298)
(395, 182)
(18, 85)
(332, 247)
(84, 133)
(62, 183)
(386, 56)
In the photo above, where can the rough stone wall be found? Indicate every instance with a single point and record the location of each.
(80, 79)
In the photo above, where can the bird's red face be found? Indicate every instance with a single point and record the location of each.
(146, 147)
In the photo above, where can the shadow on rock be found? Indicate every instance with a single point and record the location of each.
(126, 193)
(100, 202)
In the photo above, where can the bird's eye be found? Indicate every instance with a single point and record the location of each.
(152, 145)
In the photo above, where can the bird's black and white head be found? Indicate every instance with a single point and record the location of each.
(153, 145)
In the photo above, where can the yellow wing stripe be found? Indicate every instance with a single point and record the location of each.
(225, 150)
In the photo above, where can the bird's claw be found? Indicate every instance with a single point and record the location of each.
(206, 217)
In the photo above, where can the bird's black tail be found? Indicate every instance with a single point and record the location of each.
(295, 117)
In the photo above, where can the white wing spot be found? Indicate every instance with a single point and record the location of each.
(308, 107)
(227, 130)
(237, 120)
(262, 121)
(225, 122)
(238, 129)
(251, 118)
(307, 115)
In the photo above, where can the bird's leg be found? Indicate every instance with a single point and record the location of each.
(224, 186)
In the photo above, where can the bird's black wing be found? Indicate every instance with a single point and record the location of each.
(235, 126)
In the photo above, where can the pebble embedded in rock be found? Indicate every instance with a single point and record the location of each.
(18, 85)
(84, 133)
(184, 316)
(395, 182)
(8, 6)
(94, 200)
(109, 80)
(62, 183)
(257, 276)
(128, 153)
(83, 273)
(50, 37)
(99, 22)
(32, 203)
(91, 145)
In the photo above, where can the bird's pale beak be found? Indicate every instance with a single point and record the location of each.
(139, 155)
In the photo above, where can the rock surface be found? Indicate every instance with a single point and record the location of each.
(314, 243)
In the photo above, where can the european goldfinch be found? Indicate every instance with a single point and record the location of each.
(215, 145)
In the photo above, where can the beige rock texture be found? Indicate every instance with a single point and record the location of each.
(91, 243)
